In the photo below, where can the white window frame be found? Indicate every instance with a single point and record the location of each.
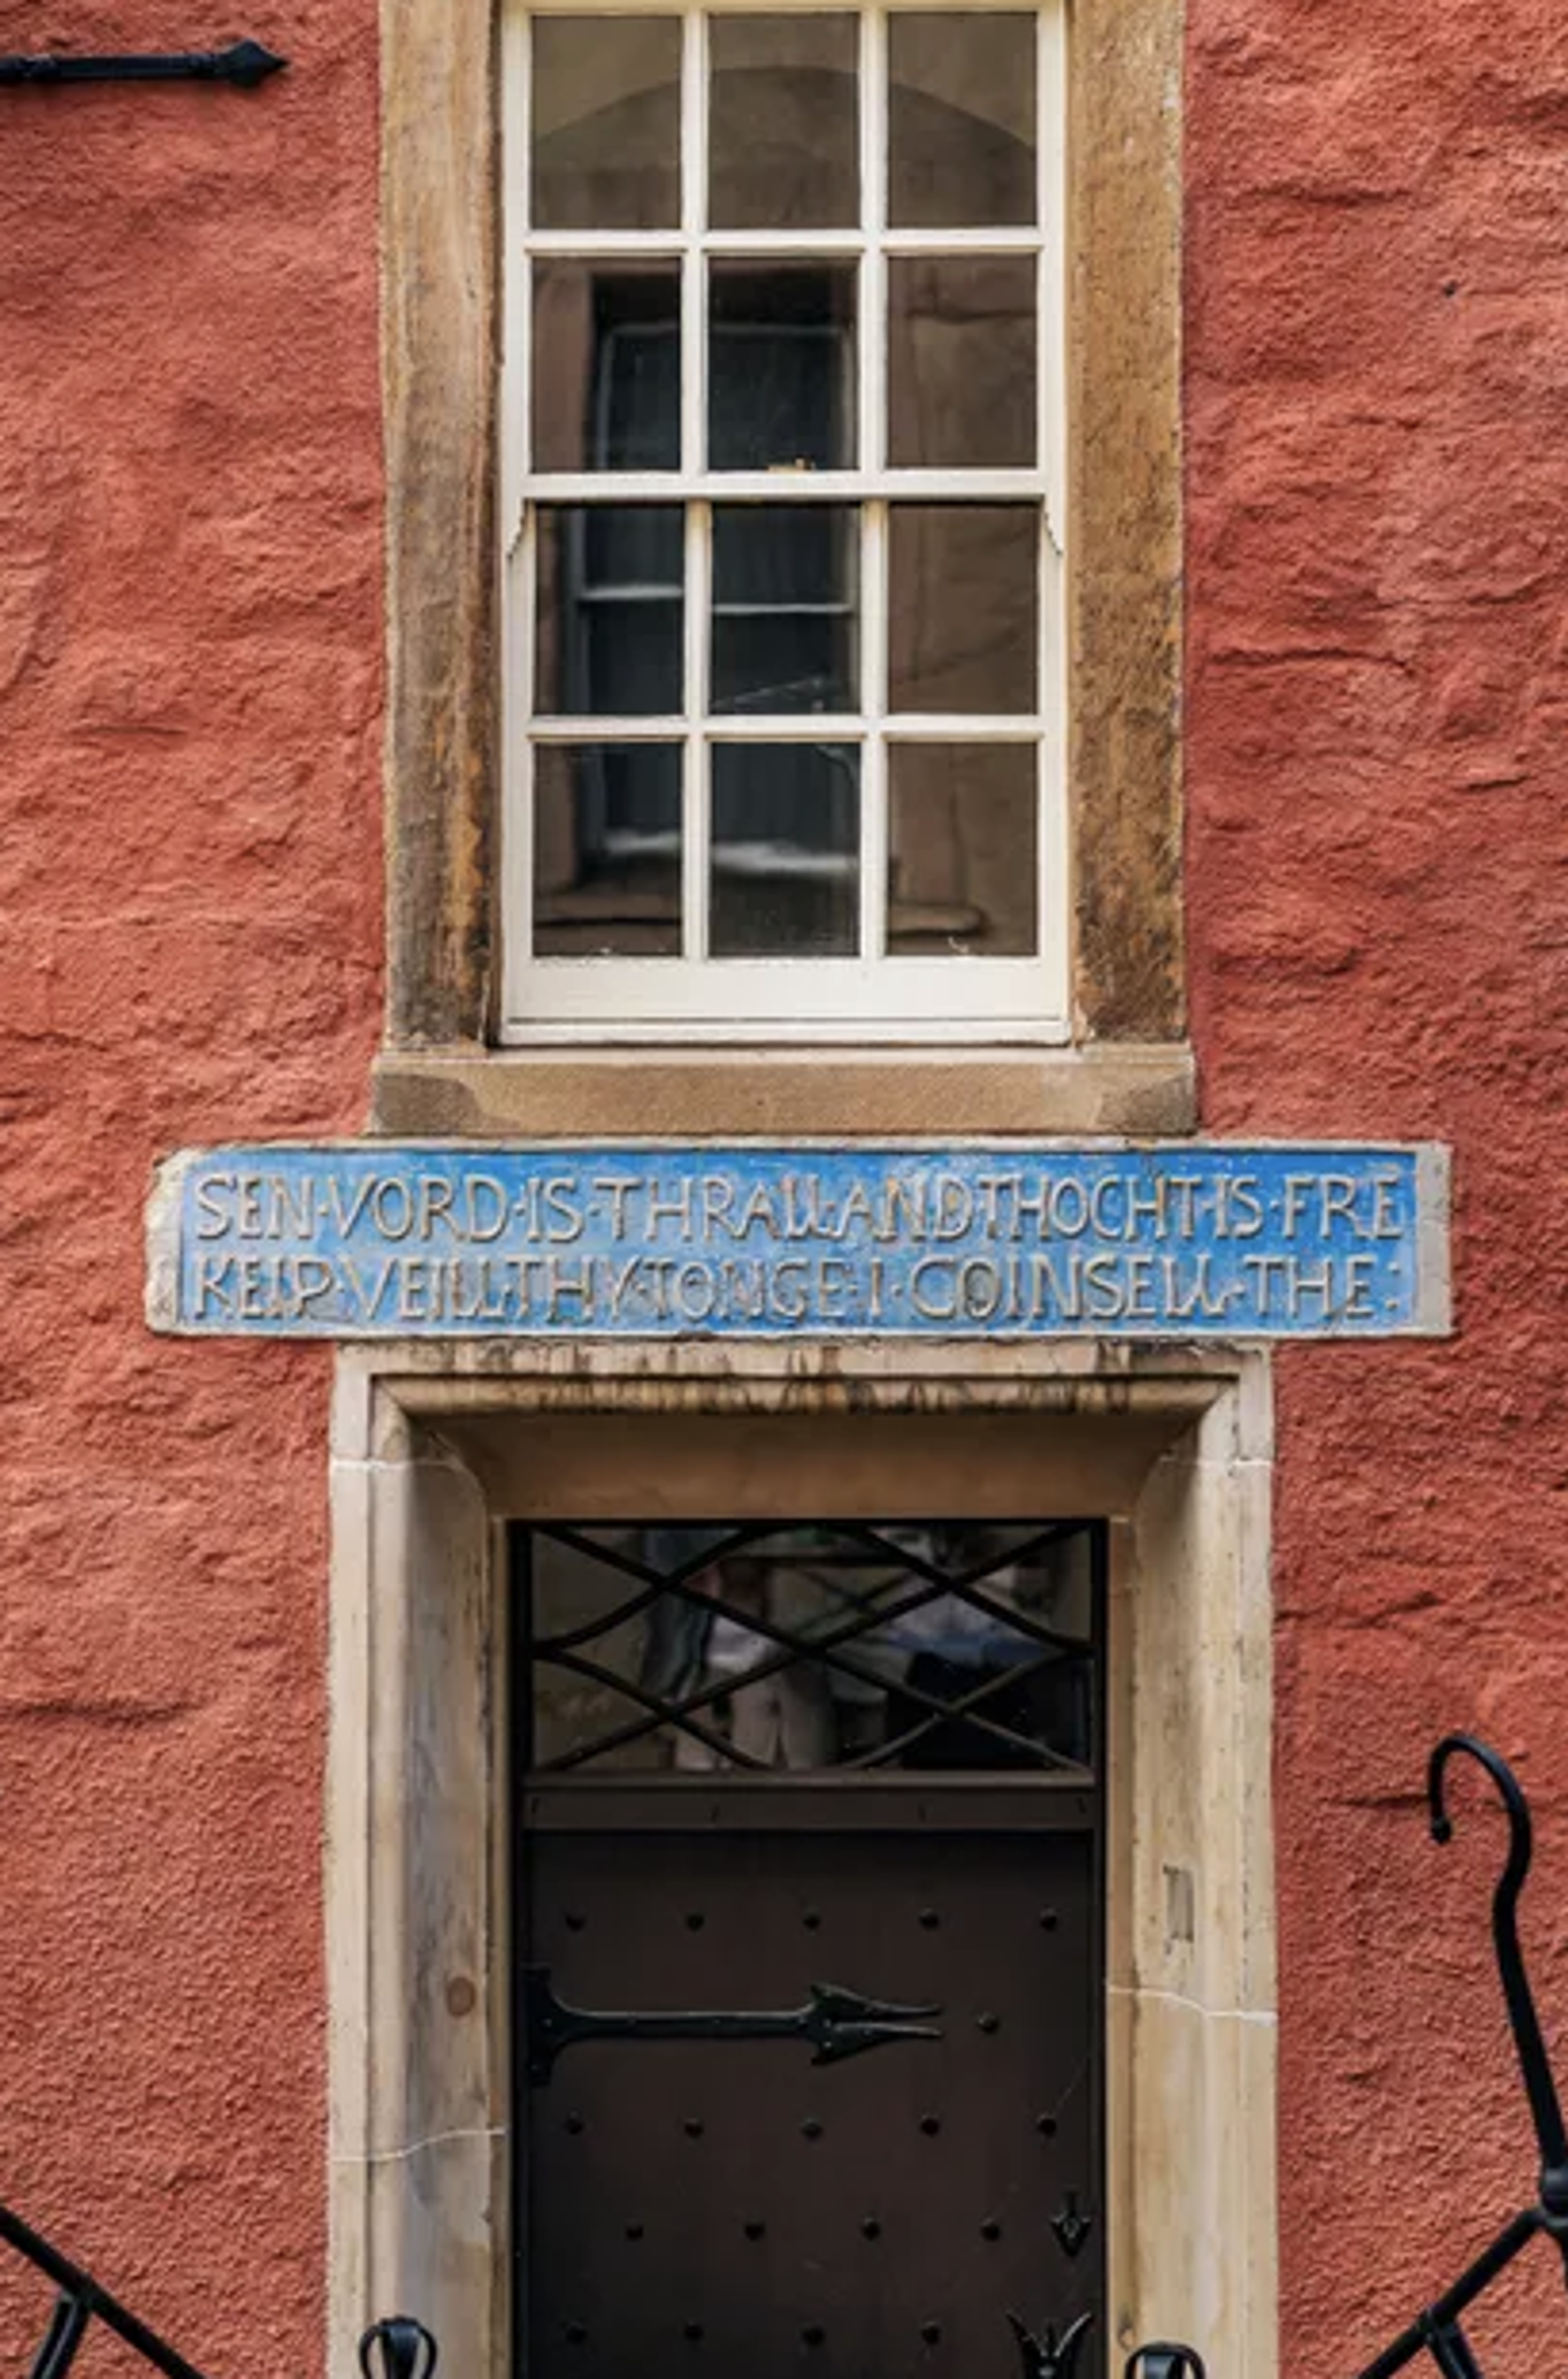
(926, 999)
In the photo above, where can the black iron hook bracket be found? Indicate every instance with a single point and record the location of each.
(242, 66)
(1438, 2330)
(1535, 2065)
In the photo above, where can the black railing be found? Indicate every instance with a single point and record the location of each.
(80, 2303)
(1438, 2329)
(398, 2349)
(402, 2348)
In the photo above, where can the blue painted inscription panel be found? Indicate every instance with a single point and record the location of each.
(562, 1241)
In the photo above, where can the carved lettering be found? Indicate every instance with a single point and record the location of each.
(1138, 1242)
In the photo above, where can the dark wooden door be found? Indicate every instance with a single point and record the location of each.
(731, 2206)
(727, 2203)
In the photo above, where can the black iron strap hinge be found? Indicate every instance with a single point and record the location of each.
(835, 2023)
(243, 66)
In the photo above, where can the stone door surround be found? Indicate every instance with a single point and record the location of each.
(434, 1447)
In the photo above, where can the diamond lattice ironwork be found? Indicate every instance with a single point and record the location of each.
(837, 1645)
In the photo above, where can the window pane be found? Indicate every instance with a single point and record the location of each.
(786, 845)
(781, 366)
(608, 609)
(783, 128)
(961, 362)
(961, 120)
(919, 1644)
(606, 849)
(962, 607)
(783, 607)
(961, 844)
(607, 366)
(607, 123)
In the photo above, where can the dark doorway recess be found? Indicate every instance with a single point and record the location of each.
(808, 1946)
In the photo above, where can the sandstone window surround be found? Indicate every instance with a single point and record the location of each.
(1117, 1005)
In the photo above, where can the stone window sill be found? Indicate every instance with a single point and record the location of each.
(1116, 1088)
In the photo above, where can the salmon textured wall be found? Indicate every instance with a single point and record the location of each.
(1377, 858)
(190, 644)
(190, 638)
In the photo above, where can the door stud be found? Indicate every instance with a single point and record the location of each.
(1071, 2227)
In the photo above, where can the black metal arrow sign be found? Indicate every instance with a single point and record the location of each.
(836, 2024)
(243, 66)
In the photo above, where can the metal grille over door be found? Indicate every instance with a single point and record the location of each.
(754, 1648)
(808, 1980)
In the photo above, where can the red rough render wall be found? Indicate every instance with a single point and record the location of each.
(1377, 478)
(190, 642)
(189, 682)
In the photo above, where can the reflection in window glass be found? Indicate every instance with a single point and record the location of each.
(606, 849)
(917, 1646)
(786, 844)
(961, 120)
(783, 123)
(962, 607)
(606, 123)
(961, 362)
(608, 610)
(781, 377)
(783, 607)
(607, 366)
(788, 631)
(961, 844)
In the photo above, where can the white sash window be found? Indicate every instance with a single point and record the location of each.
(784, 507)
